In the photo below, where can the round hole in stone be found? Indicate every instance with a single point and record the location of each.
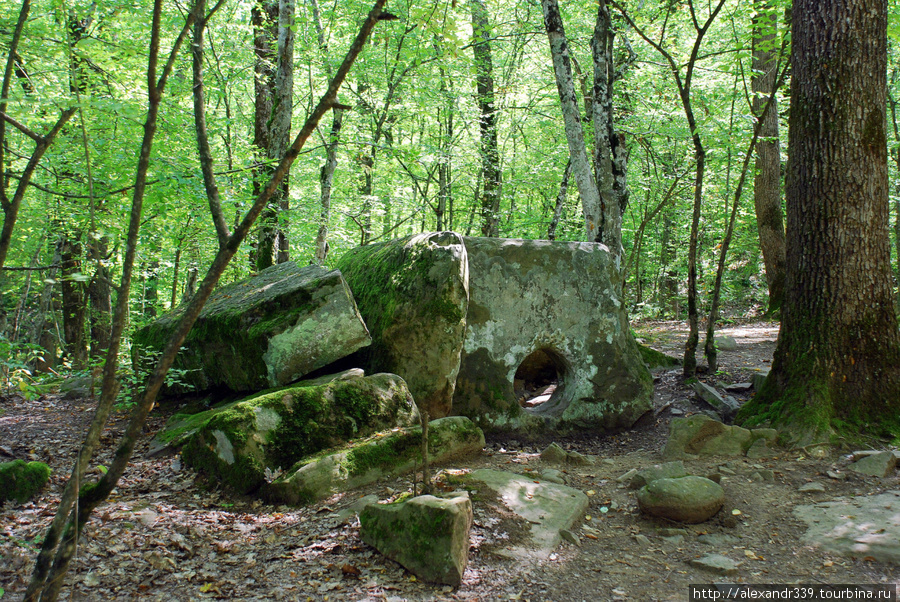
(539, 379)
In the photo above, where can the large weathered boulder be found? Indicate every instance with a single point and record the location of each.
(368, 460)
(237, 444)
(550, 307)
(266, 331)
(413, 294)
(428, 535)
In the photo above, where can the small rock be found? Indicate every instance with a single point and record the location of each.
(838, 476)
(676, 411)
(688, 499)
(716, 563)
(726, 344)
(812, 488)
(726, 470)
(715, 477)
(554, 454)
(725, 406)
(553, 475)
(738, 387)
(763, 475)
(575, 459)
(758, 379)
(669, 470)
(878, 465)
(759, 449)
(674, 539)
(570, 537)
(626, 478)
(642, 539)
(671, 531)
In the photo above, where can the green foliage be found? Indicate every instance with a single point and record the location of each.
(15, 371)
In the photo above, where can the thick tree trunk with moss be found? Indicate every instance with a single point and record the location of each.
(837, 364)
(767, 185)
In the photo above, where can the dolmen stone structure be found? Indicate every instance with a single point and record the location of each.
(509, 310)
(517, 335)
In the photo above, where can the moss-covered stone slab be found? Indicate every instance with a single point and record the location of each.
(700, 435)
(245, 441)
(366, 461)
(413, 294)
(21, 481)
(266, 331)
(558, 300)
(428, 535)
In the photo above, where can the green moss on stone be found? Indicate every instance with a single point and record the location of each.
(21, 481)
(657, 359)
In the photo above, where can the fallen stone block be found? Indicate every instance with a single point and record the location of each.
(243, 442)
(367, 460)
(700, 435)
(428, 535)
(880, 464)
(266, 331)
(724, 405)
(413, 294)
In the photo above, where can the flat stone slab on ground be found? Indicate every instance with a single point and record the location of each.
(858, 527)
(548, 507)
(717, 563)
(880, 464)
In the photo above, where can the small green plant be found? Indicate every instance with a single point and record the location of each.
(132, 377)
(16, 360)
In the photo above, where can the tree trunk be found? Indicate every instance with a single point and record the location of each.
(151, 288)
(100, 294)
(767, 185)
(565, 85)
(73, 302)
(836, 368)
(491, 174)
(560, 202)
(326, 178)
(274, 42)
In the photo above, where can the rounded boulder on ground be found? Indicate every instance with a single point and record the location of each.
(689, 499)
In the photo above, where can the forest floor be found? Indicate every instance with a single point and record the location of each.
(167, 534)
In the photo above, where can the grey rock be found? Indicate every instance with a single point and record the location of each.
(765, 475)
(813, 487)
(688, 499)
(724, 405)
(356, 507)
(553, 303)
(266, 331)
(726, 344)
(367, 460)
(717, 563)
(428, 535)
(576, 459)
(700, 435)
(553, 475)
(758, 379)
(760, 449)
(626, 477)
(547, 507)
(674, 539)
(237, 443)
(669, 470)
(856, 527)
(878, 465)
(642, 539)
(738, 387)
(570, 537)
(413, 293)
(671, 531)
(554, 454)
(837, 476)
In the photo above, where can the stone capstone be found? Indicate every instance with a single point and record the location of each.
(244, 442)
(549, 508)
(20, 480)
(365, 461)
(413, 294)
(428, 535)
(700, 435)
(266, 331)
(689, 499)
(556, 302)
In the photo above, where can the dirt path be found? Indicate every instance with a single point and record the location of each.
(167, 534)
